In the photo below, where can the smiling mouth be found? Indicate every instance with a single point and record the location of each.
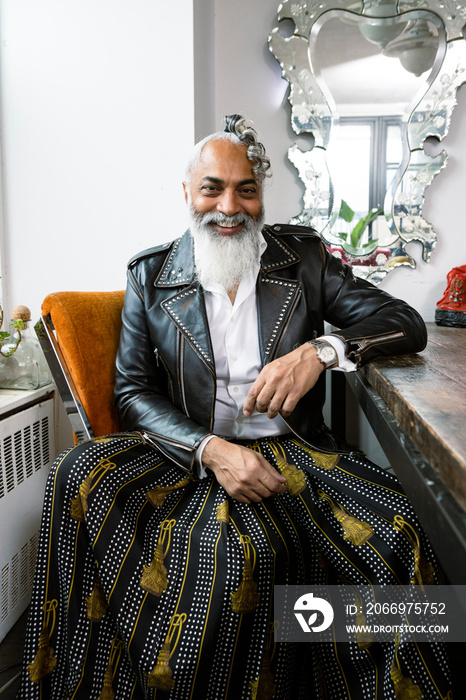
(229, 228)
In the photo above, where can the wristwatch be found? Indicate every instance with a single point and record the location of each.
(326, 353)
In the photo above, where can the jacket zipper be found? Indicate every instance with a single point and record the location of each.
(159, 359)
(181, 372)
(367, 342)
(148, 440)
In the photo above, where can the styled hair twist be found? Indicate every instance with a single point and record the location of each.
(236, 131)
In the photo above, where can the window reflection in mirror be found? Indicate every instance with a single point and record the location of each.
(372, 80)
(373, 148)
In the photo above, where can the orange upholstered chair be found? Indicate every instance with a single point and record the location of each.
(79, 333)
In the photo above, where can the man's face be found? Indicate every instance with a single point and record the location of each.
(224, 183)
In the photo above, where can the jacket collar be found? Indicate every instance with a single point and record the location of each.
(178, 268)
(277, 254)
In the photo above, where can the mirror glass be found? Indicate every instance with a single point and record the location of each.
(369, 83)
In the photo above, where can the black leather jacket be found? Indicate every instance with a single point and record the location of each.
(165, 372)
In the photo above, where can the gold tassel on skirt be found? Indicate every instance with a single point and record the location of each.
(263, 688)
(246, 598)
(161, 676)
(76, 509)
(96, 604)
(424, 574)
(44, 660)
(295, 478)
(356, 531)
(157, 495)
(223, 512)
(154, 577)
(107, 692)
(365, 638)
(84, 491)
(405, 688)
(79, 504)
(322, 460)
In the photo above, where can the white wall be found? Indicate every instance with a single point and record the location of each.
(248, 80)
(97, 112)
(97, 108)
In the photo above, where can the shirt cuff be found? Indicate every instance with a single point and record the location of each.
(201, 471)
(344, 365)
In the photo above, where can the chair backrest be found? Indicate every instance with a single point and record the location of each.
(79, 333)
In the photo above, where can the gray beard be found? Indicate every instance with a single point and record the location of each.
(224, 260)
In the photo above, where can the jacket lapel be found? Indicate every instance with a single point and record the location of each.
(186, 307)
(276, 296)
(178, 268)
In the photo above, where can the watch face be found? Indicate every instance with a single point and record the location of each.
(327, 354)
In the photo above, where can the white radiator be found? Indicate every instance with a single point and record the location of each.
(26, 454)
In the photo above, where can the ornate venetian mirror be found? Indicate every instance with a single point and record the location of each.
(371, 84)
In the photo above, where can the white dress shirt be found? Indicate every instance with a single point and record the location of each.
(235, 341)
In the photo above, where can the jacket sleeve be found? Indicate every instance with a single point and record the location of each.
(142, 388)
(372, 323)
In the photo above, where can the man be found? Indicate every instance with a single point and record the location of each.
(161, 548)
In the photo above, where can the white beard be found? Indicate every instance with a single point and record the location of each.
(224, 260)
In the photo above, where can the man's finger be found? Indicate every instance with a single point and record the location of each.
(288, 407)
(250, 403)
(259, 398)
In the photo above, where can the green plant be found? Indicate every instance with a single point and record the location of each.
(353, 239)
(18, 325)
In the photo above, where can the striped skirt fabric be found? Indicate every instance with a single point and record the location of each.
(151, 585)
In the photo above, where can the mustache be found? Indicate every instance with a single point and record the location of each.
(221, 219)
(204, 219)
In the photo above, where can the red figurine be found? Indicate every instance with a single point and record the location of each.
(451, 309)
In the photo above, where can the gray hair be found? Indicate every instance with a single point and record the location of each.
(237, 132)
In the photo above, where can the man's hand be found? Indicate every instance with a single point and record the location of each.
(244, 474)
(283, 382)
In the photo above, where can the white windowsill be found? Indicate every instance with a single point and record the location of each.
(13, 399)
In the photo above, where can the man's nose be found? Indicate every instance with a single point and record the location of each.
(228, 203)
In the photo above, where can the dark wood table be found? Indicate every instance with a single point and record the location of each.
(416, 405)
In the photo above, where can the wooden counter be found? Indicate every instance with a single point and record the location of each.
(416, 405)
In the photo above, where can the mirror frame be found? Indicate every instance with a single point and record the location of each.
(312, 114)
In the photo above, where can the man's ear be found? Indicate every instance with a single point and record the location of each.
(185, 190)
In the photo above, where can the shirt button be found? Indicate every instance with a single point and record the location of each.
(235, 389)
(233, 358)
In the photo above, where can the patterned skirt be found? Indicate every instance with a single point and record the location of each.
(151, 585)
